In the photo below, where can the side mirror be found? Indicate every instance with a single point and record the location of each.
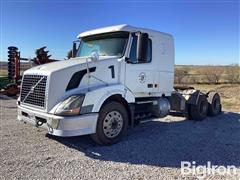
(142, 44)
(74, 49)
(69, 54)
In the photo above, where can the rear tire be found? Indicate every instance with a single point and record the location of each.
(214, 103)
(199, 111)
(187, 111)
(112, 124)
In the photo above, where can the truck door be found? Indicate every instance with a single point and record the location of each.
(139, 76)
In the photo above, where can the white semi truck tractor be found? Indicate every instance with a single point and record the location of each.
(117, 77)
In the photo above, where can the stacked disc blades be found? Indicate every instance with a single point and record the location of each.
(12, 54)
(42, 56)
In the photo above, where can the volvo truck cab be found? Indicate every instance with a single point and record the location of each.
(116, 77)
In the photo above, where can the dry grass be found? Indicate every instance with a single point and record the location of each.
(230, 94)
(207, 74)
(3, 72)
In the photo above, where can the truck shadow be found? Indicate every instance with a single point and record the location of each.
(167, 143)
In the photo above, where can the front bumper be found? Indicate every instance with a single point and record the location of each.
(60, 125)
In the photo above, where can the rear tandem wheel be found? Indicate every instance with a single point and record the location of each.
(199, 111)
(214, 103)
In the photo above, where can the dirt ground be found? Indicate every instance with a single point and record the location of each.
(152, 150)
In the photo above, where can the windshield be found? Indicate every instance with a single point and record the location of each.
(108, 44)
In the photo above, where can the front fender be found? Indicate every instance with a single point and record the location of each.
(97, 96)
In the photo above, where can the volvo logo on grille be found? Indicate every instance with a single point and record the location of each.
(32, 89)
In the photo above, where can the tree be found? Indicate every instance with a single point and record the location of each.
(233, 73)
(180, 74)
(212, 74)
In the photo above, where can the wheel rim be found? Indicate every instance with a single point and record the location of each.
(112, 124)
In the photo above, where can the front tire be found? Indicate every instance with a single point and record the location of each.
(112, 124)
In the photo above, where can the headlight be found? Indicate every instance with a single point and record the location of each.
(70, 106)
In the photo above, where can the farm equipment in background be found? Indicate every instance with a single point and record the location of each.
(11, 87)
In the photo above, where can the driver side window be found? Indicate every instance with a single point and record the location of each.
(133, 51)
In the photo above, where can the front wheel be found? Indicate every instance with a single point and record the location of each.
(112, 124)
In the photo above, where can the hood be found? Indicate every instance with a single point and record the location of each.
(58, 65)
(74, 63)
(61, 73)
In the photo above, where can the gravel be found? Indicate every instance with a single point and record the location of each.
(152, 150)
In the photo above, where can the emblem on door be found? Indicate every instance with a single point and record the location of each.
(142, 77)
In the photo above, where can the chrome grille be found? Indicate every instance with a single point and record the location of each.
(33, 90)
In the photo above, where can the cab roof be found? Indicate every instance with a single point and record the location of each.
(122, 27)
